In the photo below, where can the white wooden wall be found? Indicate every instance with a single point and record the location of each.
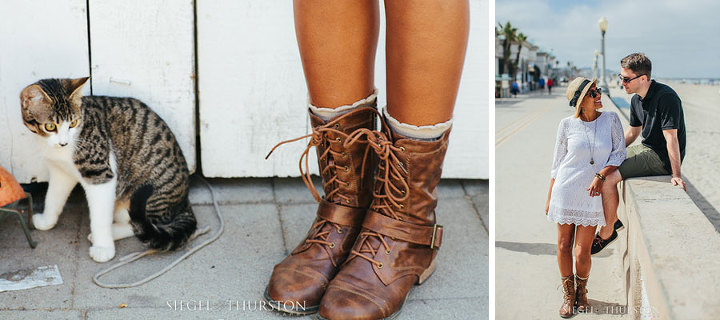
(251, 88)
(37, 41)
(252, 92)
(143, 49)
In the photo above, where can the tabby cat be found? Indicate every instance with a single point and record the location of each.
(124, 156)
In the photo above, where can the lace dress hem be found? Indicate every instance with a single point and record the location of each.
(576, 217)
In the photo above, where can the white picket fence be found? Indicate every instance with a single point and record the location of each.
(251, 92)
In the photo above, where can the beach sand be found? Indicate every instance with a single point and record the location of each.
(701, 107)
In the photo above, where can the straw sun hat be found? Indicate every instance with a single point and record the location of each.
(577, 89)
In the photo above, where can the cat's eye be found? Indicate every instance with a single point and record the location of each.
(74, 123)
(50, 127)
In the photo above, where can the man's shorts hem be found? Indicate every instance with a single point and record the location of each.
(642, 161)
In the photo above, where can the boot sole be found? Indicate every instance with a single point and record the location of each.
(275, 305)
(424, 276)
(427, 273)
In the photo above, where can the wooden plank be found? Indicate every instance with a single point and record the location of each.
(39, 39)
(251, 88)
(253, 94)
(468, 153)
(145, 49)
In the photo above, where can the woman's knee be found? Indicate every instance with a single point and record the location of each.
(565, 246)
(582, 253)
(613, 179)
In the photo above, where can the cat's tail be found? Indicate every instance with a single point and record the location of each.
(159, 233)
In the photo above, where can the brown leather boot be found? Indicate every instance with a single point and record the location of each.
(298, 282)
(581, 300)
(567, 309)
(399, 240)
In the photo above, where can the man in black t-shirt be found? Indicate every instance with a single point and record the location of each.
(656, 114)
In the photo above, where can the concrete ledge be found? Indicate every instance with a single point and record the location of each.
(672, 261)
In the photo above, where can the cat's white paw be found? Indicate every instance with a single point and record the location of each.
(43, 222)
(89, 237)
(102, 254)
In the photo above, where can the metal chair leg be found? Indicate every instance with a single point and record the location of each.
(32, 242)
(18, 215)
(28, 196)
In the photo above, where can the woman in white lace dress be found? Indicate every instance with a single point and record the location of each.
(590, 145)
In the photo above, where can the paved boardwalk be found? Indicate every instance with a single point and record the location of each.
(264, 220)
(526, 273)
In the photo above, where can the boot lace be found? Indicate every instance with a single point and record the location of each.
(318, 138)
(386, 199)
(568, 288)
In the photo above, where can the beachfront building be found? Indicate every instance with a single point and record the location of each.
(530, 73)
(545, 62)
(532, 64)
(524, 68)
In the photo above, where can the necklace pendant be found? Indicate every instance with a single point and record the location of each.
(592, 162)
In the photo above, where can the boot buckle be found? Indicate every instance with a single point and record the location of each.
(434, 235)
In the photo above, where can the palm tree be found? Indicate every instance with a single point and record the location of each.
(510, 34)
(520, 39)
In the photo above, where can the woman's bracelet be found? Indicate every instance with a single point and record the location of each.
(601, 177)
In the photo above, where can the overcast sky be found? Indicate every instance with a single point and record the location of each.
(681, 37)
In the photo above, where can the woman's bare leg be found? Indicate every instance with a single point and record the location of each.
(566, 235)
(610, 201)
(426, 44)
(337, 41)
(583, 244)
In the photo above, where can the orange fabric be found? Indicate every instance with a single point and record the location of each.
(10, 190)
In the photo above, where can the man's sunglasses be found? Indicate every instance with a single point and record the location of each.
(595, 92)
(626, 79)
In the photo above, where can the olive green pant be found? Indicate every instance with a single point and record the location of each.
(641, 161)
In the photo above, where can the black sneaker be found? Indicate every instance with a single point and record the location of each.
(600, 243)
(618, 225)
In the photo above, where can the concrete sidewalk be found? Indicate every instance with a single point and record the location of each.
(264, 220)
(526, 272)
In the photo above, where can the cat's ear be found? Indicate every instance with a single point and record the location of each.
(33, 95)
(75, 86)
(32, 98)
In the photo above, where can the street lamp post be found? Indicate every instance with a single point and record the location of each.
(603, 24)
(597, 53)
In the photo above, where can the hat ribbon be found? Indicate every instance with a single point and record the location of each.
(577, 92)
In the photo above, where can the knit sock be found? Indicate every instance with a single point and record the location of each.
(423, 133)
(329, 113)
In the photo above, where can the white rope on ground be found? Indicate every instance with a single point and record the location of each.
(137, 255)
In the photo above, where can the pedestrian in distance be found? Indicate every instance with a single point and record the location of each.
(550, 83)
